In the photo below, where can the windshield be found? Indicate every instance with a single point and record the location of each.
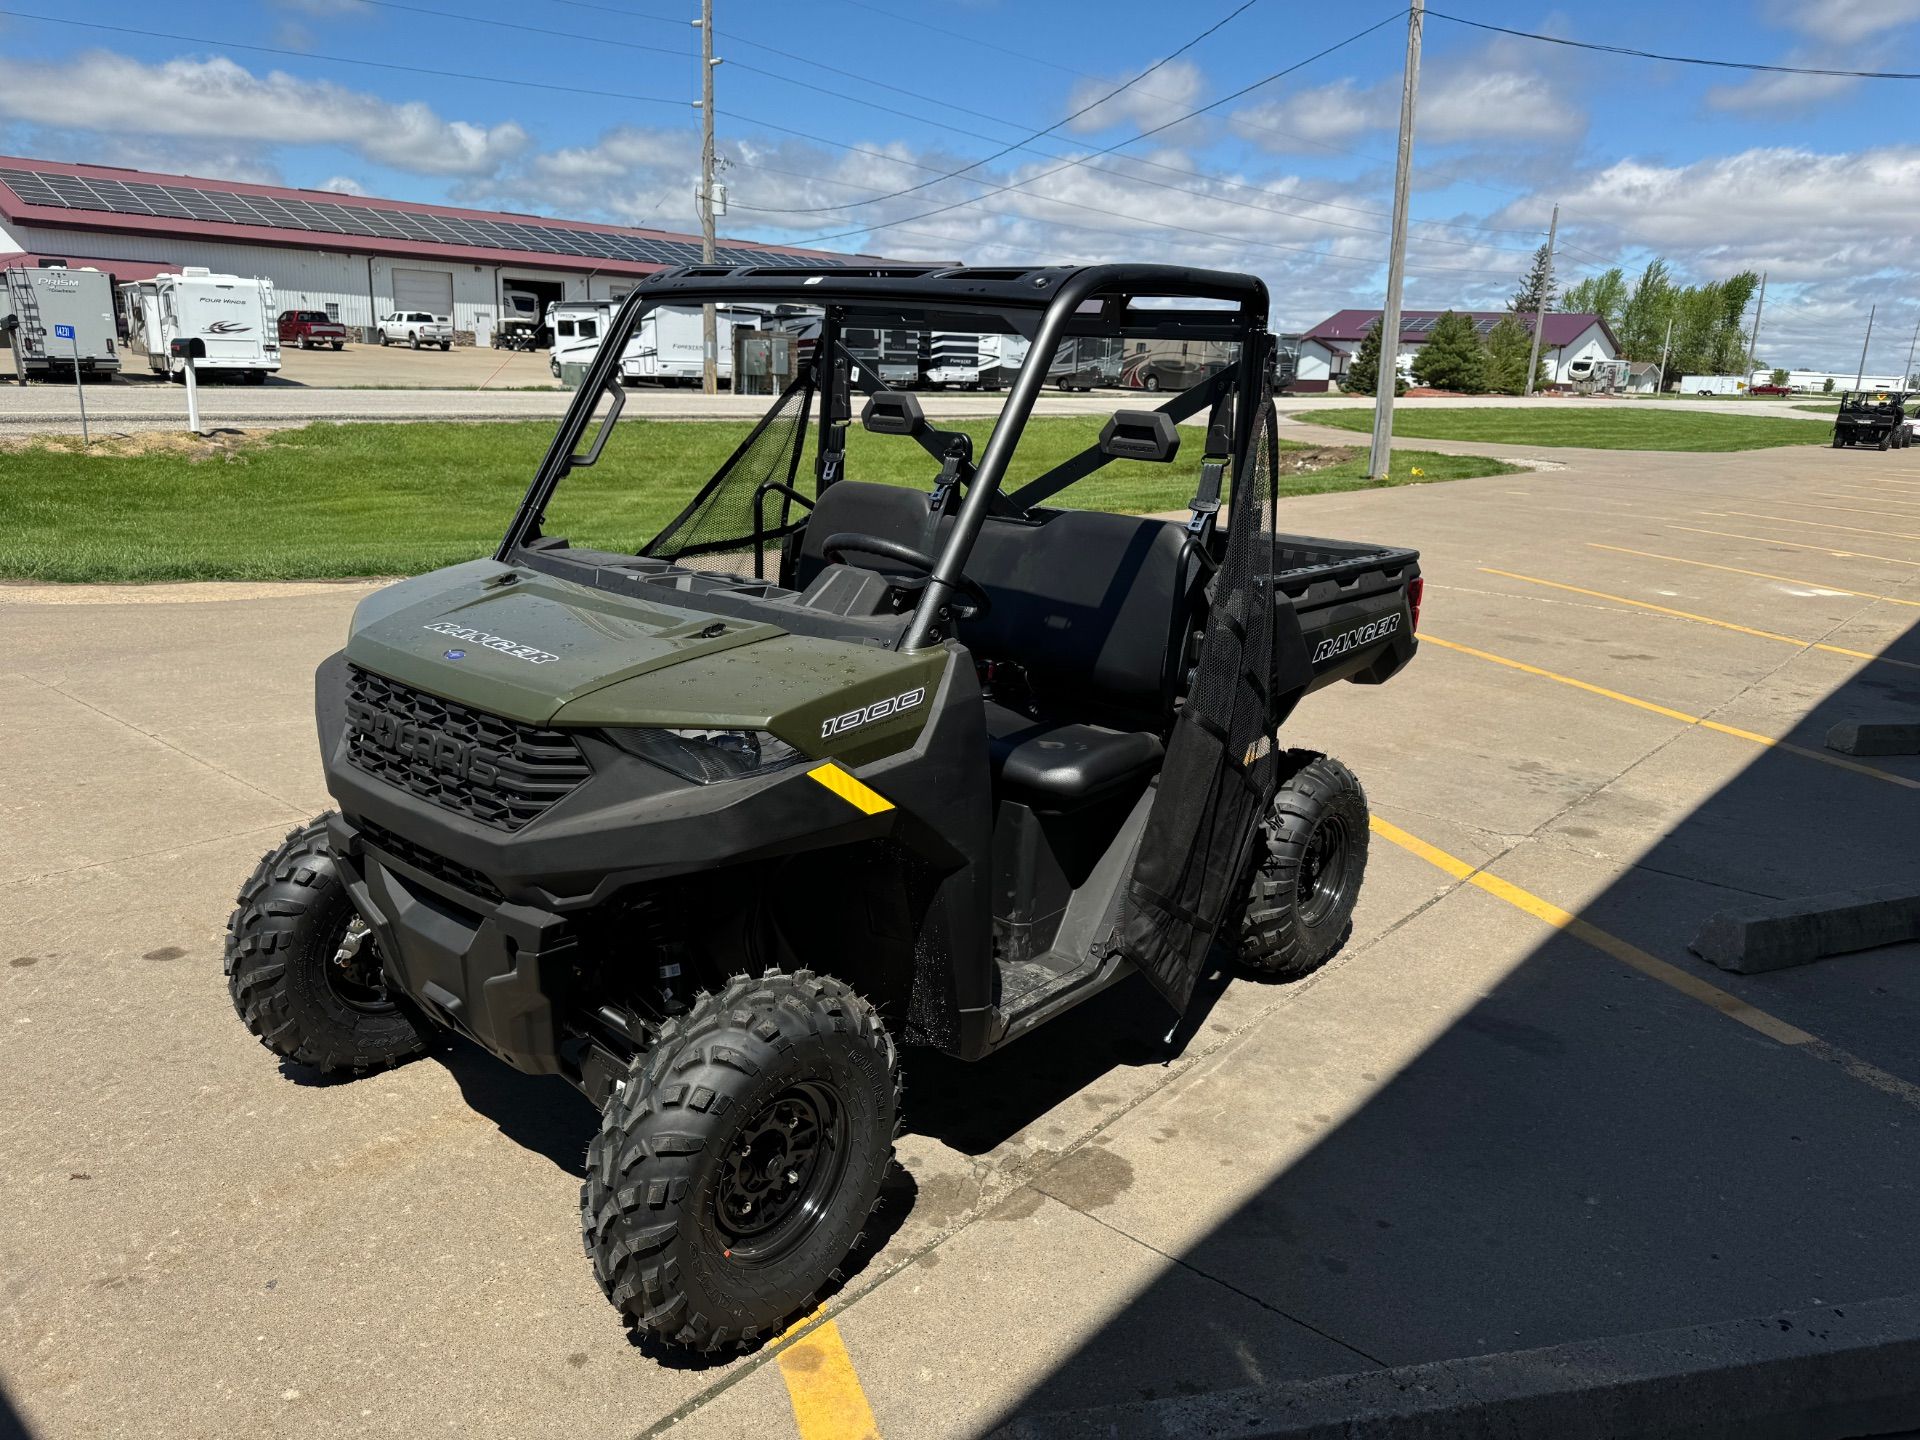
(730, 496)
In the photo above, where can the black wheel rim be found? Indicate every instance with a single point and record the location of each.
(781, 1173)
(355, 974)
(1325, 870)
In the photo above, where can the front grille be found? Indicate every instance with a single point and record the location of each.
(496, 771)
(398, 847)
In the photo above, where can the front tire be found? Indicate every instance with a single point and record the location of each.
(737, 1163)
(305, 974)
(1310, 860)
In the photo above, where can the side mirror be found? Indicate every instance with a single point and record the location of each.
(1140, 435)
(893, 412)
(9, 325)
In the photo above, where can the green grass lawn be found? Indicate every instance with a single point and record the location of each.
(1600, 428)
(341, 500)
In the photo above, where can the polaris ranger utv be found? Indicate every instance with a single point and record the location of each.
(1872, 417)
(709, 823)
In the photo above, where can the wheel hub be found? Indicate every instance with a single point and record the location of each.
(356, 974)
(780, 1172)
(1323, 869)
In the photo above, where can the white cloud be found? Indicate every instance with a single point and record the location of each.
(1479, 98)
(343, 185)
(1842, 22)
(218, 100)
(1170, 92)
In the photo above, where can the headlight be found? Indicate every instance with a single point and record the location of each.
(704, 756)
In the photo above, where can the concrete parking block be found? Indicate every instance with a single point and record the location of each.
(1779, 934)
(1867, 737)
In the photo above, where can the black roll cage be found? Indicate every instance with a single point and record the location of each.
(1051, 304)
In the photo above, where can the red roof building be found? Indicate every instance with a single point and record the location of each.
(1327, 347)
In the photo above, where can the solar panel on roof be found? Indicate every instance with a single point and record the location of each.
(224, 207)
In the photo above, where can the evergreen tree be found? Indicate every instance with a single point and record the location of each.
(1363, 370)
(1453, 358)
(1508, 345)
(1536, 286)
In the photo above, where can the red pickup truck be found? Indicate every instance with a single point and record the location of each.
(310, 328)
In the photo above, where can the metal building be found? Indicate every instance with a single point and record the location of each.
(354, 257)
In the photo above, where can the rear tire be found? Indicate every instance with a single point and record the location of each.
(737, 1163)
(305, 977)
(339, 345)
(413, 341)
(383, 338)
(1310, 860)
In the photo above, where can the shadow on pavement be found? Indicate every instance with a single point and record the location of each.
(1586, 1152)
(12, 1425)
(541, 1113)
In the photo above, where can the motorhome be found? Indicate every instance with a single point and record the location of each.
(974, 362)
(37, 302)
(233, 317)
(666, 349)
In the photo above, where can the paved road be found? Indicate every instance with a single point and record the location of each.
(143, 404)
(1513, 1112)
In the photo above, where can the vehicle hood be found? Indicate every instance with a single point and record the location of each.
(523, 645)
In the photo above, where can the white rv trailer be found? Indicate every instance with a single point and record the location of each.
(231, 315)
(38, 301)
(666, 349)
(1713, 385)
(974, 362)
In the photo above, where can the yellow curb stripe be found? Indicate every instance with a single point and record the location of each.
(1757, 574)
(1823, 757)
(863, 798)
(1605, 941)
(1797, 545)
(1704, 619)
(828, 1402)
(1817, 524)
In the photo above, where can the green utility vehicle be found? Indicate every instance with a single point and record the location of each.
(712, 823)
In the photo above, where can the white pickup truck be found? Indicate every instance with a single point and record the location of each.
(416, 328)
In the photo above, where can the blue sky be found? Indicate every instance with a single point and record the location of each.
(1815, 181)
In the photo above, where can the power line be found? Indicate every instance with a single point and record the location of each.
(1144, 134)
(1679, 59)
(1164, 60)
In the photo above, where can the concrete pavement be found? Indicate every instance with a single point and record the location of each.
(1513, 1113)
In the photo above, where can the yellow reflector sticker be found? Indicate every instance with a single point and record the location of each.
(863, 798)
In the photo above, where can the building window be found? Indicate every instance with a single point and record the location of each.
(333, 310)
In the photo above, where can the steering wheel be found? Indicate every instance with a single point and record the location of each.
(849, 542)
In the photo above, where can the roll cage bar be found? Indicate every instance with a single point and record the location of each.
(1057, 303)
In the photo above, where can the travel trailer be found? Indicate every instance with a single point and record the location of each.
(38, 301)
(231, 315)
(974, 362)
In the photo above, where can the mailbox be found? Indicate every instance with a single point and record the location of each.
(189, 349)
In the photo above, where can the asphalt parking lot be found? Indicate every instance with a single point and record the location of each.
(1514, 1112)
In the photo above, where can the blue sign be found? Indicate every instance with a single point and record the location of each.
(63, 332)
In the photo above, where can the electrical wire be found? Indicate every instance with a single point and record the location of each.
(1631, 51)
(1144, 134)
(1119, 89)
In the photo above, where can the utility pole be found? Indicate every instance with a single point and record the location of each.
(1907, 379)
(710, 368)
(1753, 340)
(1382, 454)
(1540, 312)
(1861, 378)
(1660, 380)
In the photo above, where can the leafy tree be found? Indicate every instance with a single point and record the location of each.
(1826, 386)
(1536, 286)
(1508, 345)
(1778, 376)
(1643, 319)
(1453, 358)
(1363, 370)
(1604, 295)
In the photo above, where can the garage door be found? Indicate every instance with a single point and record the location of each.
(429, 290)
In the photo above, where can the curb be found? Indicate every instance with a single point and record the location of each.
(1822, 1374)
(1784, 933)
(1854, 737)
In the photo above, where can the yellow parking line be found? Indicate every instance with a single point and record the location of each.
(1869, 495)
(1817, 524)
(828, 1403)
(1653, 966)
(1686, 983)
(1757, 574)
(1704, 619)
(1825, 758)
(1797, 545)
(1851, 509)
